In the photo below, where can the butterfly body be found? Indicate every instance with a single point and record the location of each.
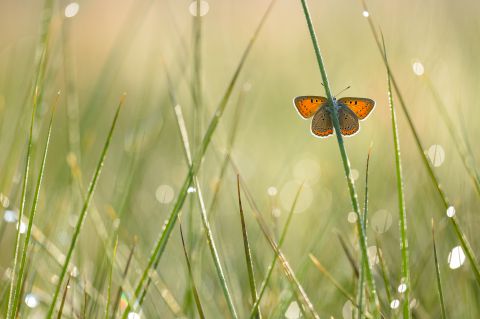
(350, 111)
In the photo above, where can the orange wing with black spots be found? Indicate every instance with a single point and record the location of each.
(322, 123)
(348, 121)
(359, 105)
(308, 105)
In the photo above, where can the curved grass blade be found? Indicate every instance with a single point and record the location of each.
(246, 245)
(33, 211)
(83, 213)
(190, 273)
(64, 297)
(437, 273)
(458, 231)
(345, 160)
(401, 196)
(264, 284)
(161, 243)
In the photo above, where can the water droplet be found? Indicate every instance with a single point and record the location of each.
(402, 288)
(352, 217)
(288, 193)
(395, 303)
(372, 255)
(133, 315)
(381, 221)
(293, 311)
(31, 300)
(191, 189)
(347, 310)
(4, 200)
(354, 174)
(10, 216)
(451, 211)
(436, 154)
(164, 194)
(23, 227)
(272, 191)
(365, 14)
(204, 8)
(307, 170)
(418, 68)
(456, 257)
(71, 9)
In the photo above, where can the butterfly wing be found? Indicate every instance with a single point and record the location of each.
(348, 121)
(308, 105)
(322, 123)
(360, 106)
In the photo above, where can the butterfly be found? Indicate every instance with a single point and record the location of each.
(349, 109)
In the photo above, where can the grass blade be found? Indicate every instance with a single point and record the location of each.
(41, 60)
(401, 196)
(64, 297)
(246, 245)
(458, 231)
(437, 273)
(124, 275)
(161, 243)
(33, 211)
(110, 273)
(83, 213)
(264, 284)
(190, 273)
(345, 160)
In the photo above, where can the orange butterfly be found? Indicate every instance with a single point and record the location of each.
(349, 109)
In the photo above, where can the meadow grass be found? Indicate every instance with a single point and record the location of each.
(242, 178)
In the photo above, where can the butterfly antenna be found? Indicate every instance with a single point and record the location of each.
(343, 90)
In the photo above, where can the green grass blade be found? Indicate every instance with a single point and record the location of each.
(161, 243)
(361, 275)
(345, 160)
(190, 273)
(33, 211)
(246, 245)
(41, 60)
(110, 273)
(437, 273)
(124, 275)
(83, 213)
(264, 284)
(384, 272)
(458, 231)
(287, 269)
(401, 197)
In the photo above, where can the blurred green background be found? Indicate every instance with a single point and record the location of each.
(100, 49)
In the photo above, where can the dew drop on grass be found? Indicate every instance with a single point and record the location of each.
(191, 190)
(23, 228)
(31, 300)
(164, 194)
(307, 170)
(451, 211)
(288, 193)
(347, 310)
(293, 311)
(354, 174)
(418, 68)
(272, 191)
(204, 8)
(352, 217)
(395, 303)
(10, 216)
(456, 257)
(402, 288)
(381, 221)
(365, 14)
(71, 9)
(133, 315)
(436, 154)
